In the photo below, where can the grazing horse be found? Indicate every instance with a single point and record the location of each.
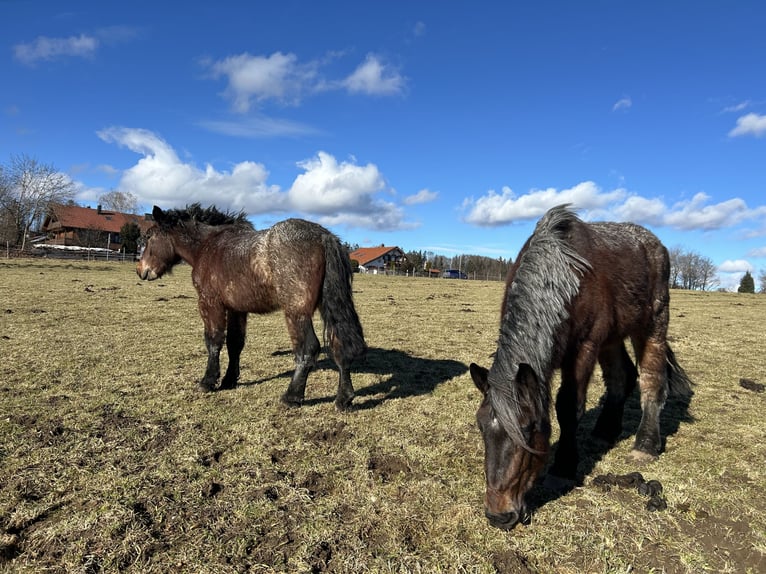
(295, 265)
(574, 294)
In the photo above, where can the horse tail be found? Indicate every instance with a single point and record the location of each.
(342, 329)
(679, 383)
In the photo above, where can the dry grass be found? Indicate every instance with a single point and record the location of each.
(110, 460)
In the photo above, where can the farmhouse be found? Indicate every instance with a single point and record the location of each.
(88, 227)
(377, 259)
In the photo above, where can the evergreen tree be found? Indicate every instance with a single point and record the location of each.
(130, 234)
(747, 284)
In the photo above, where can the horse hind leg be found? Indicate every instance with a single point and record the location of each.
(235, 342)
(306, 348)
(654, 390)
(620, 376)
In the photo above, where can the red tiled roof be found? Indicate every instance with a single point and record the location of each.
(75, 217)
(366, 254)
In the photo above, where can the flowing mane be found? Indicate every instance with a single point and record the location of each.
(195, 213)
(542, 283)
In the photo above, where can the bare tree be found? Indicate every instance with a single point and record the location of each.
(675, 254)
(122, 201)
(762, 281)
(33, 188)
(707, 276)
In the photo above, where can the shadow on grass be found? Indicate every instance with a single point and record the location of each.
(591, 450)
(401, 374)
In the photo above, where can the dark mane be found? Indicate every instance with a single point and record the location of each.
(542, 283)
(195, 213)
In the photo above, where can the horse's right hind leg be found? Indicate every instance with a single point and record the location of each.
(306, 348)
(620, 377)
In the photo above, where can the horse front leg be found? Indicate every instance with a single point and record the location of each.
(306, 348)
(570, 406)
(654, 390)
(620, 376)
(235, 342)
(214, 319)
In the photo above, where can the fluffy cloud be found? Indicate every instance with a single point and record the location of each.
(282, 78)
(44, 48)
(327, 186)
(335, 193)
(278, 77)
(737, 266)
(375, 78)
(506, 207)
(697, 213)
(749, 125)
(161, 177)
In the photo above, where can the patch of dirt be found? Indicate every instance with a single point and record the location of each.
(387, 467)
(334, 436)
(511, 562)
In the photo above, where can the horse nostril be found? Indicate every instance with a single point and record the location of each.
(504, 521)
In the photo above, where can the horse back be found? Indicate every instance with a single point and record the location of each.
(231, 271)
(626, 289)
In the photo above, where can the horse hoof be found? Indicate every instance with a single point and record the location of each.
(205, 387)
(642, 457)
(344, 405)
(291, 402)
(227, 386)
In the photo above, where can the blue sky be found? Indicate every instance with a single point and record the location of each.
(441, 126)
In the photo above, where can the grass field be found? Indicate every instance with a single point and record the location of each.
(111, 460)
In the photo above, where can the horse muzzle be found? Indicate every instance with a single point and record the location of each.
(505, 520)
(145, 273)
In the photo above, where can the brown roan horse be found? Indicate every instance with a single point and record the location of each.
(573, 296)
(296, 265)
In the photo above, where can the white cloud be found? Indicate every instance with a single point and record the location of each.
(335, 193)
(498, 209)
(649, 211)
(622, 104)
(375, 78)
(619, 205)
(44, 48)
(423, 196)
(758, 252)
(277, 77)
(735, 266)
(327, 186)
(749, 125)
(282, 78)
(698, 214)
(160, 177)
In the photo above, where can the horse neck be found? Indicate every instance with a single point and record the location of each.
(188, 243)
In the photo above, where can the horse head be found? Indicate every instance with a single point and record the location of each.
(159, 254)
(516, 437)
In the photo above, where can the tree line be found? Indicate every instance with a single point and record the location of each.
(29, 189)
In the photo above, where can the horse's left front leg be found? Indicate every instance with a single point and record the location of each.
(214, 319)
(235, 342)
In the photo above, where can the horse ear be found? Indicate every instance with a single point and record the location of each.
(479, 376)
(526, 376)
(157, 214)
